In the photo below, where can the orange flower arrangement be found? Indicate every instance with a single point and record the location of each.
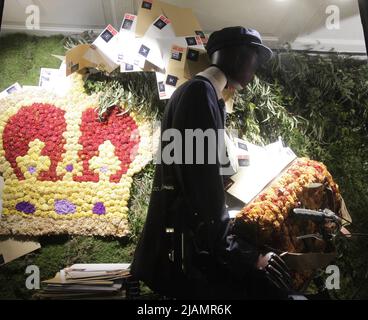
(265, 220)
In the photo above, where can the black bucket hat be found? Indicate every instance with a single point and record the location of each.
(238, 36)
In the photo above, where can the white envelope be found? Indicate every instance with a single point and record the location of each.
(9, 90)
(55, 80)
(128, 45)
(150, 48)
(106, 45)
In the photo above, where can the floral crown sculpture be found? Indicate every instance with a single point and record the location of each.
(64, 171)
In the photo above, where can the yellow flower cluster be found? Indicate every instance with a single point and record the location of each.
(48, 183)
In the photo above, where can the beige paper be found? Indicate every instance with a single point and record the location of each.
(196, 61)
(174, 77)
(228, 95)
(75, 60)
(148, 12)
(11, 249)
(184, 21)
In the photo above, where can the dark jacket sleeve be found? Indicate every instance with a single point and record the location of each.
(202, 185)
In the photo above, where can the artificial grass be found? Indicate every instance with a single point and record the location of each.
(22, 56)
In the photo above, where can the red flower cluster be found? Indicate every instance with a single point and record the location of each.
(122, 131)
(43, 121)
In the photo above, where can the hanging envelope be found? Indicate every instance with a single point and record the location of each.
(99, 60)
(197, 60)
(150, 48)
(147, 14)
(75, 59)
(160, 80)
(167, 83)
(102, 51)
(127, 44)
(107, 42)
(184, 21)
(166, 44)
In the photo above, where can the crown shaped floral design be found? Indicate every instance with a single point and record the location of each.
(64, 171)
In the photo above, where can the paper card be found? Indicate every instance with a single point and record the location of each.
(147, 14)
(99, 60)
(107, 42)
(193, 42)
(129, 24)
(242, 152)
(95, 267)
(126, 67)
(55, 80)
(167, 83)
(75, 60)
(12, 249)
(9, 90)
(183, 20)
(31, 88)
(171, 55)
(232, 153)
(47, 77)
(127, 43)
(160, 80)
(150, 48)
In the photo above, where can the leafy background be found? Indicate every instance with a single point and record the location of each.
(317, 103)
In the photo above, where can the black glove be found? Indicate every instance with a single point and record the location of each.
(276, 270)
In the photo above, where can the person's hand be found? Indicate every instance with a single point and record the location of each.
(275, 269)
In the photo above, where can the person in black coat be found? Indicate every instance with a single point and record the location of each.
(187, 248)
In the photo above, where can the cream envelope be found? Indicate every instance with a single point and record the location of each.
(193, 42)
(197, 60)
(173, 49)
(184, 21)
(147, 14)
(167, 83)
(75, 59)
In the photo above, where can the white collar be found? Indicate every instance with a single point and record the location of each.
(216, 77)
